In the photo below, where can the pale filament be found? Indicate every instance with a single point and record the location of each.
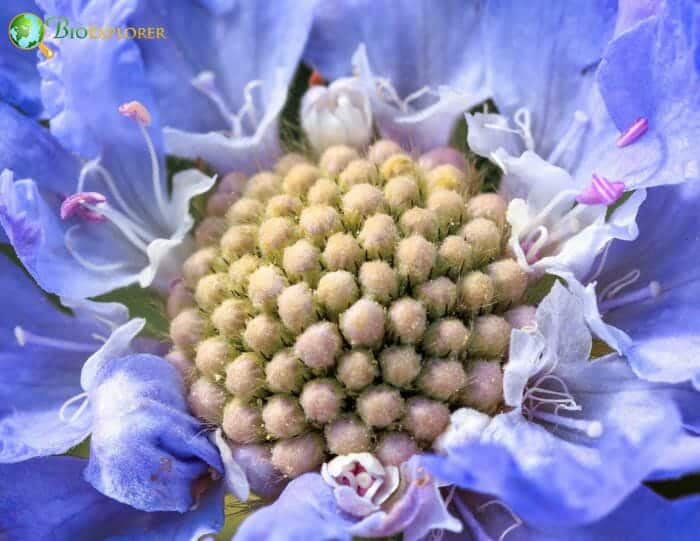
(25, 337)
(78, 412)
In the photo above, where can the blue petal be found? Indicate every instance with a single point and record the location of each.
(146, 451)
(19, 78)
(265, 39)
(661, 324)
(542, 56)
(305, 510)
(644, 515)
(664, 89)
(42, 354)
(406, 43)
(48, 498)
(552, 481)
(681, 457)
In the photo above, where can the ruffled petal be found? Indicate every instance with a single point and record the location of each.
(664, 89)
(420, 509)
(146, 451)
(47, 498)
(543, 57)
(643, 515)
(19, 78)
(681, 457)
(306, 509)
(43, 350)
(266, 40)
(652, 318)
(405, 49)
(562, 475)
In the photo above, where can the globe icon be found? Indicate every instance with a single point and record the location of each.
(26, 31)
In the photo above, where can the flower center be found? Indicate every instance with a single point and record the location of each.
(347, 306)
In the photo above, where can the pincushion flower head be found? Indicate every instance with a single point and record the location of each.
(352, 346)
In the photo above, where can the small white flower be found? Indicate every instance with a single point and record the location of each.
(338, 114)
(360, 482)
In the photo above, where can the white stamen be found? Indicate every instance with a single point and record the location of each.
(499, 162)
(387, 91)
(158, 186)
(593, 429)
(571, 138)
(618, 285)
(78, 412)
(517, 521)
(108, 179)
(601, 263)
(651, 291)
(136, 235)
(96, 267)
(25, 337)
(522, 119)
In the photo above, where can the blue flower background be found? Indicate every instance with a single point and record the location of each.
(120, 158)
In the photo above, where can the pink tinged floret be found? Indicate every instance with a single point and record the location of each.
(601, 191)
(76, 205)
(137, 111)
(634, 132)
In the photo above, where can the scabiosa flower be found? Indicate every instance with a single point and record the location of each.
(348, 330)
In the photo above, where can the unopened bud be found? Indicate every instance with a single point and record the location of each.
(298, 455)
(336, 291)
(186, 329)
(401, 193)
(441, 156)
(395, 448)
(300, 178)
(342, 252)
(509, 281)
(488, 205)
(348, 435)
(382, 150)
(179, 298)
(415, 258)
(407, 320)
(322, 400)
(379, 236)
(295, 306)
(425, 419)
(240, 270)
(380, 406)
(209, 231)
(484, 389)
(397, 164)
(212, 354)
(447, 177)
(324, 192)
(238, 241)
(485, 238)
(455, 256)
(448, 206)
(245, 375)
(245, 211)
(242, 422)
(274, 235)
(263, 334)
(206, 400)
(339, 114)
(442, 378)
(336, 158)
(400, 365)
(302, 261)
(229, 318)
(476, 292)
(438, 296)
(379, 281)
(283, 206)
(420, 221)
(446, 337)
(490, 337)
(285, 373)
(319, 222)
(283, 417)
(362, 200)
(199, 264)
(319, 345)
(359, 171)
(288, 161)
(264, 286)
(357, 369)
(211, 290)
(263, 186)
(363, 323)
